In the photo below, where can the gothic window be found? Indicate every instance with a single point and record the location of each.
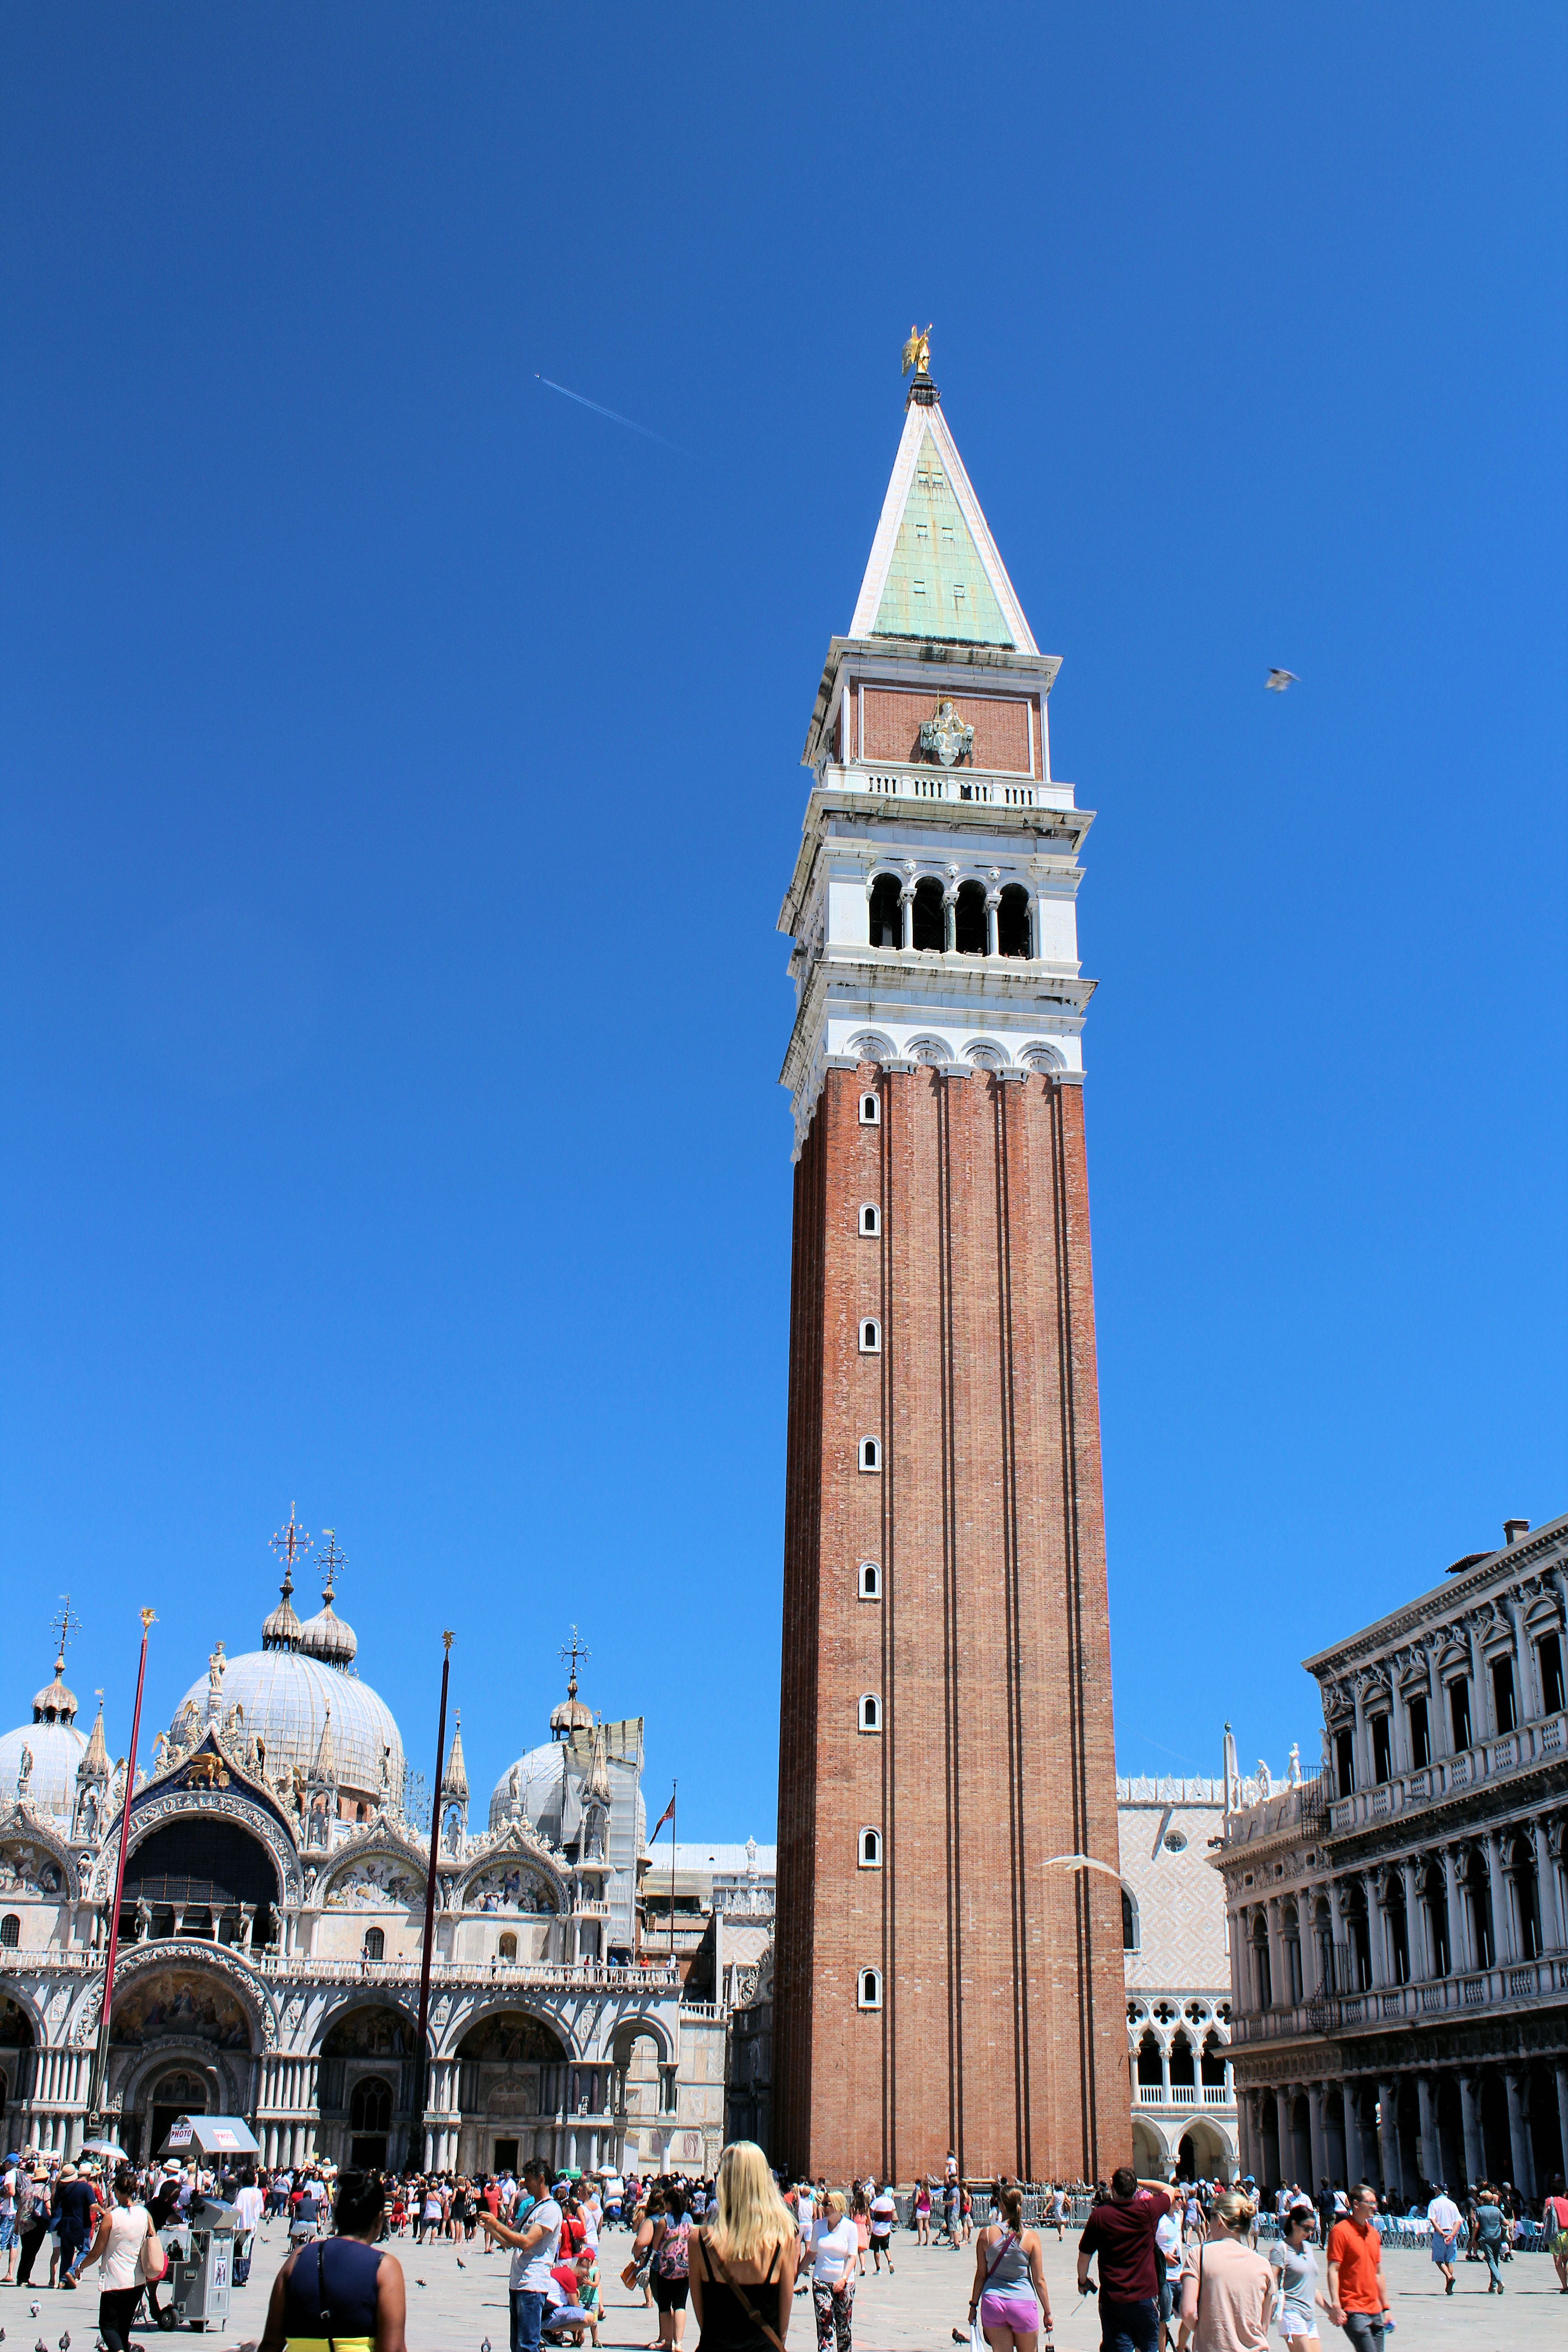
(1182, 2072)
(1151, 2073)
(1381, 1749)
(870, 1110)
(968, 929)
(870, 1849)
(1128, 1922)
(869, 1993)
(1460, 1713)
(10, 1931)
(870, 1717)
(930, 927)
(1420, 1736)
(370, 2104)
(1344, 1762)
(887, 914)
(1549, 1653)
(870, 1453)
(871, 1220)
(870, 1336)
(1503, 1694)
(507, 1947)
(870, 1583)
(1013, 921)
(375, 1943)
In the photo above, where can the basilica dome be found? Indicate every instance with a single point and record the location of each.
(57, 1748)
(533, 1790)
(286, 1695)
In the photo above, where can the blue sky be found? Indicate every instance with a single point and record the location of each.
(401, 783)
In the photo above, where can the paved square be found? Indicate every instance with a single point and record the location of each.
(919, 2306)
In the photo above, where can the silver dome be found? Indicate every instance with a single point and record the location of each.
(533, 1790)
(286, 1697)
(57, 1748)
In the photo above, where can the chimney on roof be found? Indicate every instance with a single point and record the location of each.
(1514, 1528)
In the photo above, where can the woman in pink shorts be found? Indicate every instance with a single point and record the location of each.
(1010, 2282)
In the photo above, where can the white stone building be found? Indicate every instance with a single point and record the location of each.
(1177, 1972)
(1399, 1921)
(273, 1921)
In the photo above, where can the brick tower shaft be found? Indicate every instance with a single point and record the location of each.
(948, 1973)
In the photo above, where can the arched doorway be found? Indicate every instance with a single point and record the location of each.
(15, 2054)
(178, 2093)
(646, 2120)
(186, 2022)
(370, 2122)
(1149, 2150)
(365, 2082)
(198, 1876)
(513, 2073)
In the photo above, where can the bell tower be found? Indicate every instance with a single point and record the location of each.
(946, 1975)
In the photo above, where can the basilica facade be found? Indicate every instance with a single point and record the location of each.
(272, 1928)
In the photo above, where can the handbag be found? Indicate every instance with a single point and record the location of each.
(152, 2249)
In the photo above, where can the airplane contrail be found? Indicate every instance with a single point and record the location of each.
(612, 413)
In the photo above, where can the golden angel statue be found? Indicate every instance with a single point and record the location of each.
(917, 352)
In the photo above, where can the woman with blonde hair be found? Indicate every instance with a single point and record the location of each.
(743, 2265)
(1228, 2290)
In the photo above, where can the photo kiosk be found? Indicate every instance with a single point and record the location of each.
(200, 2244)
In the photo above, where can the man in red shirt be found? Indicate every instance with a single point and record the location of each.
(1122, 2235)
(1358, 2299)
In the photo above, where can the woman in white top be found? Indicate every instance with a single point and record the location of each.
(123, 2235)
(834, 2250)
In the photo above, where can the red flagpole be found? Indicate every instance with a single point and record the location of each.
(101, 2055)
(416, 2128)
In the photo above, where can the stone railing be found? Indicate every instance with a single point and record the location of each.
(1488, 1761)
(1453, 1996)
(990, 790)
(298, 1967)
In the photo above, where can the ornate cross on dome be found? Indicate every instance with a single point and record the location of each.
(574, 1652)
(331, 1560)
(63, 1626)
(290, 1544)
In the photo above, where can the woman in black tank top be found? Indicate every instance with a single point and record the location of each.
(742, 2266)
(341, 2290)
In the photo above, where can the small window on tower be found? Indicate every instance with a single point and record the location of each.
(870, 1111)
(10, 1931)
(922, 531)
(870, 1712)
(870, 1585)
(375, 1943)
(870, 1849)
(958, 592)
(870, 1337)
(871, 1455)
(870, 1219)
(916, 587)
(870, 1993)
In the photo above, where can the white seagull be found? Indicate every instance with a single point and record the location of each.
(1080, 1862)
(1279, 679)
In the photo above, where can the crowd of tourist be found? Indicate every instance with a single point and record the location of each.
(1180, 2266)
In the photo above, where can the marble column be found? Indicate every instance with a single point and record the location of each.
(906, 909)
(1286, 2140)
(1377, 1934)
(1430, 2158)
(1518, 2135)
(1388, 2136)
(1437, 1712)
(1415, 1943)
(1320, 2137)
(1355, 2154)
(1561, 2073)
(1502, 1908)
(1471, 2112)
